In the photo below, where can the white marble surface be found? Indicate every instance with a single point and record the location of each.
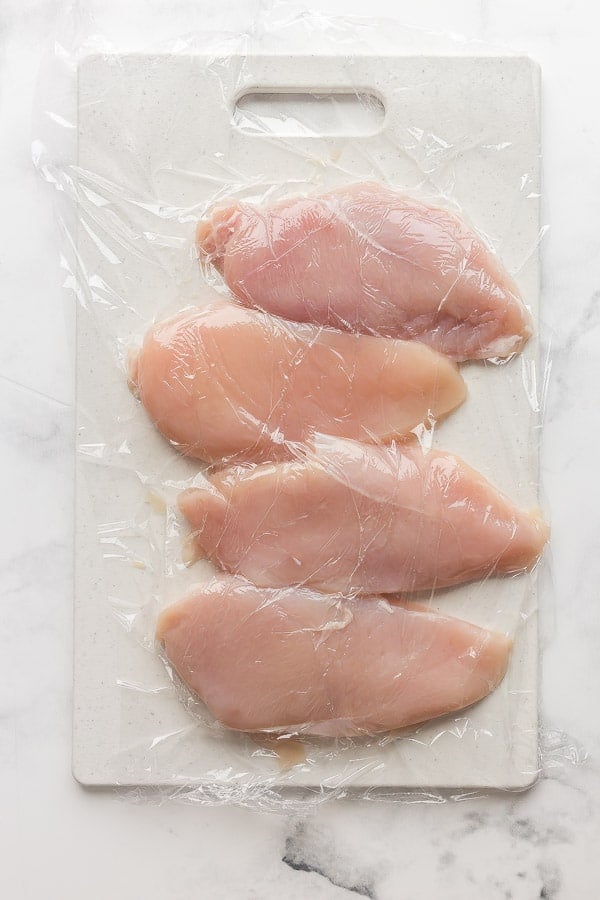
(60, 841)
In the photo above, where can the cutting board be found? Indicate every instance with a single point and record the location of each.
(159, 138)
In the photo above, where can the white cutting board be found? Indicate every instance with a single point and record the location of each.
(158, 140)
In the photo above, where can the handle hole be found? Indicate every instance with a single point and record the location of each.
(309, 113)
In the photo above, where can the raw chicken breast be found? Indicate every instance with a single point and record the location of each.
(298, 661)
(225, 381)
(354, 517)
(366, 258)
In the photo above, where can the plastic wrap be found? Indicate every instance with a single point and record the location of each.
(308, 412)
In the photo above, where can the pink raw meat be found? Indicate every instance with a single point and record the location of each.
(297, 661)
(369, 259)
(358, 517)
(228, 382)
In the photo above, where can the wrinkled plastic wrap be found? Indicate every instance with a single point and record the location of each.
(308, 411)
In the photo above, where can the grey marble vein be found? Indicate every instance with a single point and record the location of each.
(307, 849)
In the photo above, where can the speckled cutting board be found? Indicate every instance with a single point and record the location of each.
(158, 138)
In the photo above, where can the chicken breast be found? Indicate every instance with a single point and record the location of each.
(228, 382)
(369, 259)
(297, 661)
(354, 517)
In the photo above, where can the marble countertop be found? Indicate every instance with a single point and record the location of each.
(60, 841)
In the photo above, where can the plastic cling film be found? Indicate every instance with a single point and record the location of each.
(308, 409)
